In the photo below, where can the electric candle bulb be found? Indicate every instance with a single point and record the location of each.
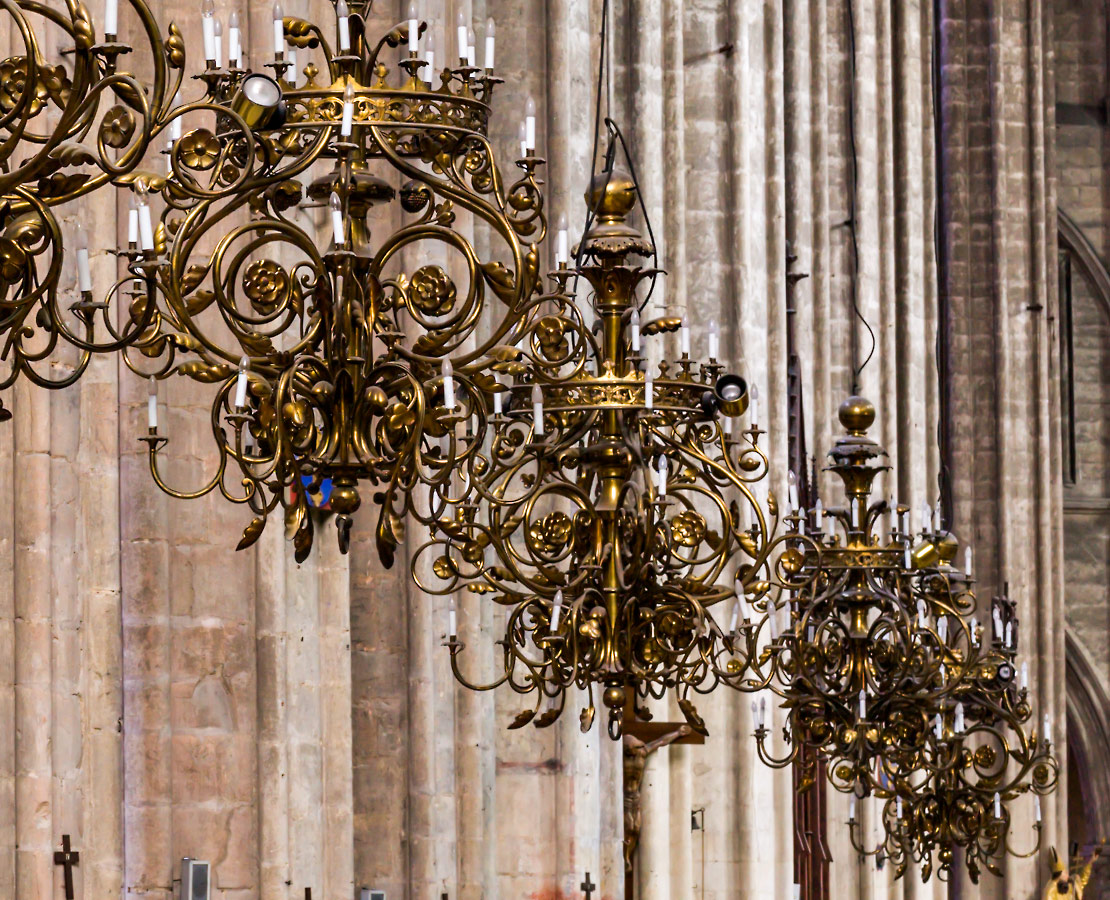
(471, 49)
(146, 227)
(851, 809)
(429, 56)
(464, 37)
(218, 34)
(234, 50)
(997, 805)
(863, 704)
(938, 727)
(649, 391)
(938, 519)
(958, 722)
(853, 510)
(152, 406)
(291, 55)
(556, 610)
(562, 242)
(537, 410)
(684, 335)
(792, 490)
(414, 28)
(279, 32)
(1025, 676)
(208, 30)
(522, 136)
(753, 406)
(241, 384)
(530, 123)
(802, 522)
(819, 515)
(84, 275)
(448, 372)
(348, 111)
(942, 629)
(491, 30)
(111, 20)
(661, 476)
(926, 517)
(634, 330)
(967, 561)
(714, 339)
(452, 618)
(342, 11)
(1037, 808)
(337, 230)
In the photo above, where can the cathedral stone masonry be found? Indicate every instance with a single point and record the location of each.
(162, 696)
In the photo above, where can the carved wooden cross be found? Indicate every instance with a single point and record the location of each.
(68, 858)
(588, 886)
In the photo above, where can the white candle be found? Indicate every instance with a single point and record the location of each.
(863, 704)
(684, 335)
(797, 891)
(537, 410)
(497, 401)
(926, 517)
(819, 515)
(967, 560)
(452, 618)
(429, 56)
(491, 30)
(661, 476)
(938, 727)
(342, 12)
(463, 35)
(1025, 676)
(958, 723)
(146, 227)
(218, 35)
(175, 125)
(1008, 641)
(234, 51)
(634, 330)
(556, 610)
(530, 123)
(414, 28)
(471, 49)
(907, 561)
(338, 232)
(905, 520)
(792, 490)
(974, 632)
(996, 616)
(208, 30)
(942, 629)
(562, 241)
(152, 406)
(649, 390)
(84, 275)
(851, 809)
(714, 339)
(853, 510)
(348, 111)
(753, 406)
(1047, 729)
(522, 135)
(938, 519)
(997, 805)
(735, 617)
(241, 384)
(898, 807)
(921, 621)
(1037, 808)
(111, 20)
(279, 32)
(448, 384)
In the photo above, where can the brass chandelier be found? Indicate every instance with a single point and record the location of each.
(889, 679)
(612, 513)
(328, 363)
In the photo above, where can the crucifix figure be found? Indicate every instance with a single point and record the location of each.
(588, 886)
(636, 752)
(68, 858)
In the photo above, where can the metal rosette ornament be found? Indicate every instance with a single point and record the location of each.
(67, 128)
(978, 759)
(613, 512)
(336, 355)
